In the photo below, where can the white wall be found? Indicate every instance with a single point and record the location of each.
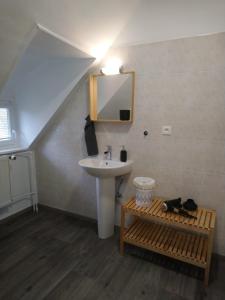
(62, 183)
(178, 83)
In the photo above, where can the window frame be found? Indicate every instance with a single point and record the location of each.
(11, 140)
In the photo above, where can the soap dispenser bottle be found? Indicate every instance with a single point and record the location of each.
(123, 154)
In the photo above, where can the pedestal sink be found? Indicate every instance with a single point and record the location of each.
(105, 172)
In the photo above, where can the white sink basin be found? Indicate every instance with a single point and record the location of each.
(105, 172)
(105, 168)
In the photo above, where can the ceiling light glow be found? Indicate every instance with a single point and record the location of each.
(99, 51)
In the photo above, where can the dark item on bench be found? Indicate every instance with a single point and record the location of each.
(183, 213)
(190, 205)
(175, 206)
(169, 205)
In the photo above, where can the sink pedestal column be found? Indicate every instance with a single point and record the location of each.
(105, 189)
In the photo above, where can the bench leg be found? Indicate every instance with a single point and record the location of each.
(209, 255)
(206, 277)
(122, 231)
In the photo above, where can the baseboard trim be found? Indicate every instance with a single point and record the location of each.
(68, 213)
(15, 215)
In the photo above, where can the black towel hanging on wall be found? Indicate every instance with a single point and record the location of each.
(90, 137)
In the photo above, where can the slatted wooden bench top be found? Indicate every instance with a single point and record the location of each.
(204, 223)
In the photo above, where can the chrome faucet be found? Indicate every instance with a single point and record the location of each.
(108, 153)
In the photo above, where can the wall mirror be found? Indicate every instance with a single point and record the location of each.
(112, 97)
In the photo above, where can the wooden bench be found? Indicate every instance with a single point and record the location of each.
(182, 238)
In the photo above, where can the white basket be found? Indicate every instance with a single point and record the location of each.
(144, 190)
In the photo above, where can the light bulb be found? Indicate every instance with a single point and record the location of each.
(112, 67)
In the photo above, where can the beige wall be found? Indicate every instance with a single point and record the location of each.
(179, 83)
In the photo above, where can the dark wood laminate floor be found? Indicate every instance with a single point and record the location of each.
(53, 256)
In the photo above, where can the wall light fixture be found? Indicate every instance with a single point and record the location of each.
(112, 67)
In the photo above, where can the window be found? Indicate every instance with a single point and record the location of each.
(5, 128)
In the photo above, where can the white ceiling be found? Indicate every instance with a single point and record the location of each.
(159, 20)
(95, 25)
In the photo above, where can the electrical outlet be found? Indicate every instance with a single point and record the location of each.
(166, 130)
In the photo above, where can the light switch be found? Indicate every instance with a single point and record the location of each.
(166, 130)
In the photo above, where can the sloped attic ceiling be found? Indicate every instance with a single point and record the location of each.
(91, 25)
(44, 75)
(95, 25)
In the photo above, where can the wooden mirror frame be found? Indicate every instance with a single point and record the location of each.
(94, 99)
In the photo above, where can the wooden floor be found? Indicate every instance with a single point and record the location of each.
(54, 256)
